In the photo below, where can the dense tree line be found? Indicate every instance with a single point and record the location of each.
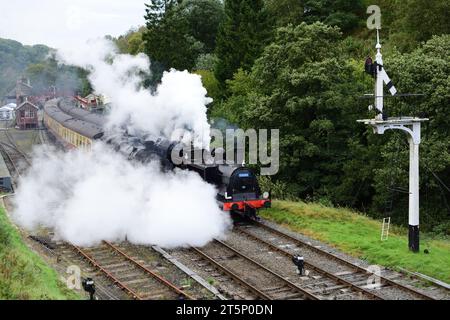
(65, 79)
(298, 66)
(38, 64)
(14, 59)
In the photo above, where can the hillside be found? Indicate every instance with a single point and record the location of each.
(14, 60)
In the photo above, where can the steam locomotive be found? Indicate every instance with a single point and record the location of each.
(238, 188)
(237, 185)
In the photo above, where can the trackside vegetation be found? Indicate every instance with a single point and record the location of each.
(359, 236)
(23, 274)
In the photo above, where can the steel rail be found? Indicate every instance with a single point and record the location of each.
(17, 151)
(15, 146)
(314, 267)
(2, 147)
(344, 261)
(230, 273)
(304, 292)
(150, 272)
(116, 281)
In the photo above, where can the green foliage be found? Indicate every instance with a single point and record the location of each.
(307, 83)
(284, 12)
(299, 86)
(51, 73)
(39, 65)
(239, 88)
(23, 274)
(179, 31)
(206, 62)
(14, 59)
(342, 13)
(210, 83)
(415, 21)
(132, 42)
(167, 38)
(242, 36)
(203, 18)
(278, 189)
(345, 14)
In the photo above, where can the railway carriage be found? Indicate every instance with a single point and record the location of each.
(73, 130)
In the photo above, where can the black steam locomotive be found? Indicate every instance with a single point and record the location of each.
(238, 188)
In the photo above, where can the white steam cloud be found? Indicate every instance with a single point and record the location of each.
(178, 104)
(90, 196)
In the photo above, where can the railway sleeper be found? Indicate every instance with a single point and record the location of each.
(115, 265)
(131, 275)
(327, 290)
(155, 294)
(277, 290)
(294, 296)
(135, 281)
(124, 269)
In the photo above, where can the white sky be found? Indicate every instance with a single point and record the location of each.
(67, 23)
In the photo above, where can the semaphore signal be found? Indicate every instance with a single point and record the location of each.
(410, 125)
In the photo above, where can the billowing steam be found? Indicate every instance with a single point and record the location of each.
(179, 102)
(89, 196)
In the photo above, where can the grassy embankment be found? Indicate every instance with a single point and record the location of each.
(23, 274)
(359, 236)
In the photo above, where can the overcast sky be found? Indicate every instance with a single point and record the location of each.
(67, 23)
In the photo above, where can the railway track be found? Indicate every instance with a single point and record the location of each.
(16, 161)
(130, 274)
(251, 279)
(325, 284)
(343, 270)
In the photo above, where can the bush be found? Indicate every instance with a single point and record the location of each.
(278, 189)
(210, 83)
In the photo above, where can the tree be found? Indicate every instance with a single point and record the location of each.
(242, 37)
(65, 78)
(179, 31)
(167, 37)
(346, 14)
(132, 42)
(300, 86)
(14, 59)
(284, 12)
(416, 21)
(204, 18)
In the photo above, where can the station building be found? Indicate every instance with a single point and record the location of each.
(27, 116)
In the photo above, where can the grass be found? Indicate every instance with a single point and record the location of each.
(359, 236)
(23, 274)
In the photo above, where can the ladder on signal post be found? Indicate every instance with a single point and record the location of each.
(385, 228)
